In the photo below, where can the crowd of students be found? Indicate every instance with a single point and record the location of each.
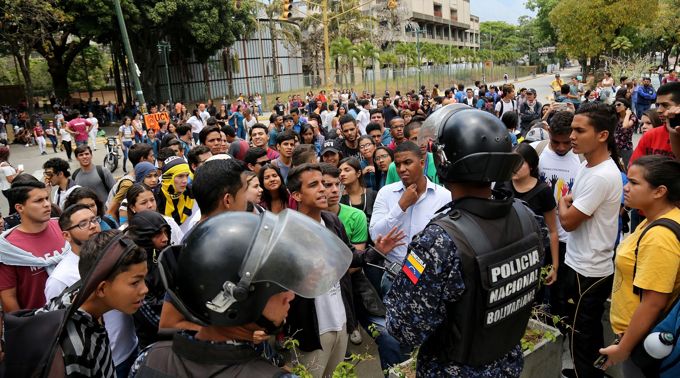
(360, 169)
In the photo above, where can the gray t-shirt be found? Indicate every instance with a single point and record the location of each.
(90, 179)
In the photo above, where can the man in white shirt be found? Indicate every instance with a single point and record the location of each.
(203, 114)
(78, 223)
(93, 131)
(408, 204)
(558, 166)
(57, 173)
(590, 214)
(364, 116)
(507, 102)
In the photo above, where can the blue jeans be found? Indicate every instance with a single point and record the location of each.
(640, 109)
(390, 351)
(385, 284)
(126, 148)
(123, 368)
(53, 140)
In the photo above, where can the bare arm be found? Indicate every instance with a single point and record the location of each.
(645, 316)
(570, 216)
(551, 221)
(9, 300)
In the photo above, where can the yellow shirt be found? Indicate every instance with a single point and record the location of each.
(658, 269)
(556, 85)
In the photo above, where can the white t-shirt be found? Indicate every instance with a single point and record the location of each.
(363, 118)
(128, 133)
(559, 172)
(597, 193)
(119, 326)
(95, 124)
(65, 135)
(196, 124)
(330, 310)
(507, 106)
(6, 170)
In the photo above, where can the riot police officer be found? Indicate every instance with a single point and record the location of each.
(468, 282)
(234, 275)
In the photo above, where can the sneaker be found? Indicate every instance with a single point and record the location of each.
(44, 153)
(355, 337)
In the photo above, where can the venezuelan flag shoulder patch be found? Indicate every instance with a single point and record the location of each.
(413, 267)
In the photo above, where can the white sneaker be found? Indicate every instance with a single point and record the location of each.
(355, 337)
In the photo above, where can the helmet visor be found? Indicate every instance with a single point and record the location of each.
(297, 253)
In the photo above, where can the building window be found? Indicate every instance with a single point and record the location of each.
(437, 10)
(454, 15)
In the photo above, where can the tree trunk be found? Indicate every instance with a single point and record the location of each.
(275, 57)
(677, 55)
(206, 81)
(25, 67)
(59, 74)
(116, 74)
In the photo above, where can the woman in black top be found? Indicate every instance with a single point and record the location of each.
(526, 186)
(356, 194)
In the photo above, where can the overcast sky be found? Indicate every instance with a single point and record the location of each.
(499, 10)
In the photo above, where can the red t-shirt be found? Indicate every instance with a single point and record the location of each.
(654, 142)
(80, 125)
(30, 281)
(38, 131)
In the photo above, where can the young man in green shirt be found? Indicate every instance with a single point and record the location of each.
(411, 132)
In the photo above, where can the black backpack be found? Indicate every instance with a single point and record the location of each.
(33, 337)
(100, 172)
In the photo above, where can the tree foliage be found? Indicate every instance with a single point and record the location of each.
(588, 28)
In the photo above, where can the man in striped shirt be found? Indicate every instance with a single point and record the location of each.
(86, 347)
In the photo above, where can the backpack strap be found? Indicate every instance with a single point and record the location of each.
(534, 191)
(102, 177)
(664, 222)
(541, 146)
(74, 174)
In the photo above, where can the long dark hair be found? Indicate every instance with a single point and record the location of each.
(662, 170)
(603, 117)
(356, 165)
(132, 194)
(83, 193)
(266, 195)
(530, 156)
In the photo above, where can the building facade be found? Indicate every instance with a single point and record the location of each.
(440, 21)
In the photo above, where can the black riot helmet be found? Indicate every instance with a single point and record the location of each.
(469, 145)
(230, 265)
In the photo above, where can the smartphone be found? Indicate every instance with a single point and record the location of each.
(20, 167)
(675, 121)
(560, 106)
(599, 363)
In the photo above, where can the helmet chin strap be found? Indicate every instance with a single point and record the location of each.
(269, 327)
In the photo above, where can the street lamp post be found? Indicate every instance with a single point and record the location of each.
(164, 48)
(128, 52)
(417, 30)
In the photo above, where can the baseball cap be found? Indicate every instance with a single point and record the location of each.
(531, 90)
(330, 146)
(537, 134)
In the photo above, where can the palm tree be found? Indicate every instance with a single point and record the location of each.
(366, 52)
(389, 59)
(290, 35)
(344, 51)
